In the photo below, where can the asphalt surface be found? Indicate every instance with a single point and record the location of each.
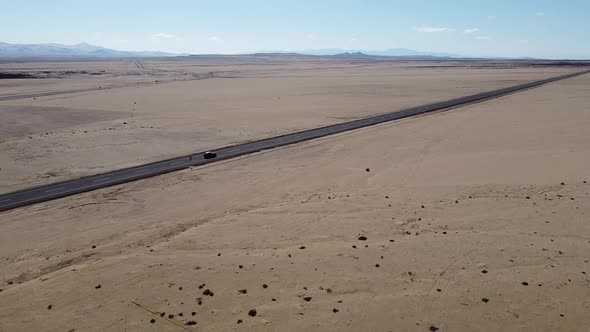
(71, 187)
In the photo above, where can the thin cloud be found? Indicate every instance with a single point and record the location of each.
(215, 39)
(482, 38)
(540, 14)
(491, 17)
(430, 29)
(165, 36)
(472, 30)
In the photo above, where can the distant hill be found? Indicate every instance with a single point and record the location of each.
(78, 50)
(395, 52)
(409, 52)
(352, 55)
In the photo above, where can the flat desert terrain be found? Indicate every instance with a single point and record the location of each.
(67, 119)
(475, 219)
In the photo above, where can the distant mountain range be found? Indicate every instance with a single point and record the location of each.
(397, 52)
(52, 50)
(87, 50)
(78, 50)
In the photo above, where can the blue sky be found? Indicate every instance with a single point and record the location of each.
(541, 28)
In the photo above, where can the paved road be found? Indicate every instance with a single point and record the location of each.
(72, 187)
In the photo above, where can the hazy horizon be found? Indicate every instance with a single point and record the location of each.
(541, 29)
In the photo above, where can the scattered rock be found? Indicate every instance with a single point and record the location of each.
(208, 292)
(252, 313)
(302, 247)
(191, 322)
(239, 321)
(484, 271)
(264, 286)
(243, 291)
(193, 313)
(171, 316)
(49, 307)
(97, 286)
(367, 169)
(485, 300)
(433, 328)
(307, 298)
(335, 310)
(363, 238)
(93, 247)
(152, 321)
(524, 283)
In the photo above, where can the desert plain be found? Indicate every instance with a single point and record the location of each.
(74, 118)
(473, 219)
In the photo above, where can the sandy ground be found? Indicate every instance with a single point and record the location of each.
(470, 220)
(207, 103)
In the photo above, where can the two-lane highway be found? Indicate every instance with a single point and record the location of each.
(76, 186)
